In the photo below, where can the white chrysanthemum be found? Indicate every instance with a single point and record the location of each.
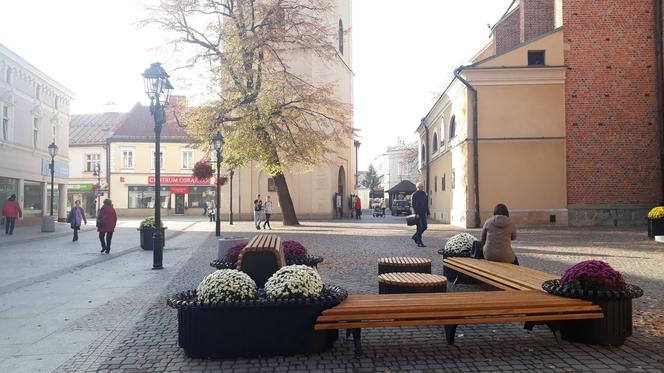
(459, 244)
(296, 281)
(226, 285)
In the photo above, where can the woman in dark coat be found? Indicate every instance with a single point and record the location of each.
(106, 221)
(76, 217)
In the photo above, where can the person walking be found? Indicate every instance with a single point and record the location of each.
(212, 212)
(267, 207)
(258, 210)
(76, 217)
(11, 210)
(497, 235)
(205, 208)
(106, 221)
(358, 207)
(94, 208)
(420, 202)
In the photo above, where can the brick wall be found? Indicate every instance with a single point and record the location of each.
(506, 32)
(610, 99)
(537, 17)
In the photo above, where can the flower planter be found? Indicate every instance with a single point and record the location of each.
(609, 331)
(454, 276)
(655, 228)
(261, 327)
(309, 260)
(146, 238)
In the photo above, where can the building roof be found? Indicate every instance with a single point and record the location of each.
(403, 187)
(93, 129)
(138, 125)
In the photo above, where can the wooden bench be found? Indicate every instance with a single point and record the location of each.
(505, 276)
(261, 257)
(403, 264)
(452, 309)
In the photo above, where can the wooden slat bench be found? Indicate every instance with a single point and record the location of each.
(261, 257)
(452, 309)
(504, 276)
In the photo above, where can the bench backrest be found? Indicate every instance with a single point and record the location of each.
(261, 258)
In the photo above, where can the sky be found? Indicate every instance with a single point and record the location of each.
(404, 53)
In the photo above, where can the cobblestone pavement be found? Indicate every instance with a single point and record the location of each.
(351, 249)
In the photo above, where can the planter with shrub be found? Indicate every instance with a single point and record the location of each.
(458, 246)
(146, 231)
(656, 222)
(294, 252)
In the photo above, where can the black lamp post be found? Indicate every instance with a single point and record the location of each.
(97, 172)
(52, 151)
(158, 88)
(218, 141)
(230, 217)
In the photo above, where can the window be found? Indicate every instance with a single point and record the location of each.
(341, 37)
(91, 162)
(127, 159)
(38, 91)
(435, 142)
(161, 160)
(442, 183)
(55, 129)
(8, 75)
(35, 133)
(424, 154)
(435, 183)
(453, 177)
(452, 127)
(56, 103)
(535, 58)
(142, 197)
(198, 195)
(32, 197)
(5, 122)
(187, 159)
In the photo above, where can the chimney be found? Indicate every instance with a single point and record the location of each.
(537, 18)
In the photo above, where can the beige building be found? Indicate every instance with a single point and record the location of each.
(497, 135)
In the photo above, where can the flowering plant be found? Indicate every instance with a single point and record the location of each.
(459, 245)
(656, 213)
(293, 249)
(593, 275)
(226, 285)
(234, 252)
(149, 223)
(296, 281)
(203, 170)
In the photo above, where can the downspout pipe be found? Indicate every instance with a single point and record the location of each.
(476, 167)
(426, 153)
(659, 29)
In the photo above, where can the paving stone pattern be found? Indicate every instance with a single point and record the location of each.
(351, 250)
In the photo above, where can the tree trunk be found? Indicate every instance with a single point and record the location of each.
(287, 209)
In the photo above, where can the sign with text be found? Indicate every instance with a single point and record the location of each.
(61, 169)
(178, 180)
(180, 189)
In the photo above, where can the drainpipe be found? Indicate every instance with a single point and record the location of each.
(660, 83)
(426, 153)
(108, 168)
(476, 167)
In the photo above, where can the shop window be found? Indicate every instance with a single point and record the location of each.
(91, 162)
(198, 195)
(187, 159)
(127, 159)
(32, 197)
(143, 197)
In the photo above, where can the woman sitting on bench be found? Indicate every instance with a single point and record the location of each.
(497, 235)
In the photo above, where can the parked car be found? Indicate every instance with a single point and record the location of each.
(400, 207)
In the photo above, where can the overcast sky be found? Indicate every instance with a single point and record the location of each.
(403, 54)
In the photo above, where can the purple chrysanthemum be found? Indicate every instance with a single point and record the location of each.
(593, 275)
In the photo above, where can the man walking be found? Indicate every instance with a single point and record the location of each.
(421, 208)
(258, 210)
(11, 210)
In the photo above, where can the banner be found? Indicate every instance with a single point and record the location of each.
(178, 180)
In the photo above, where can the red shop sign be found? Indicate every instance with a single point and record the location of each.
(180, 189)
(178, 180)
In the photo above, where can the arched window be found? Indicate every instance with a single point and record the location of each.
(341, 36)
(453, 127)
(424, 154)
(435, 142)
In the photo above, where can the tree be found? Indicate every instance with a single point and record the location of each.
(269, 112)
(371, 179)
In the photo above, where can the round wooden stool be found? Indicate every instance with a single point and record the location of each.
(404, 264)
(408, 282)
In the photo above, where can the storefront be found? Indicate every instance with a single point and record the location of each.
(8, 186)
(179, 195)
(82, 192)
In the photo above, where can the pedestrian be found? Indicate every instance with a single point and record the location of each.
(106, 221)
(212, 214)
(267, 207)
(11, 210)
(205, 208)
(497, 235)
(340, 206)
(75, 218)
(421, 208)
(382, 207)
(94, 208)
(351, 204)
(358, 207)
(258, 210)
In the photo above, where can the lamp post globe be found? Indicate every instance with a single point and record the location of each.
(52, 151)
(218, 141)
(158, 89)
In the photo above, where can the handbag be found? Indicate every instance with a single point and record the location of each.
(411, 220)
(100, 222)
(477, 251)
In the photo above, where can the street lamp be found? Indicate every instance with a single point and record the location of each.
(97, 172)
(218, 141)
(52, 151)
(158, 88)
(230, 218)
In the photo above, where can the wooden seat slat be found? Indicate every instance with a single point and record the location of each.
(500, 284)
(410, 279)
(509, 274)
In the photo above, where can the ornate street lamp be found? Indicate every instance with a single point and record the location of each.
(97, 172)
(230, 217)
(218, 141)
(52, 151)
(158, 88)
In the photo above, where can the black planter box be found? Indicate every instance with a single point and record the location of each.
(261, 327)
(146, 238)
(655, 228)
(309, 260)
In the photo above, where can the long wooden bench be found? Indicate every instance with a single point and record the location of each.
(505, 276)
(452, 309)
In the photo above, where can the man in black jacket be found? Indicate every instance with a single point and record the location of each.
(421, 208)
